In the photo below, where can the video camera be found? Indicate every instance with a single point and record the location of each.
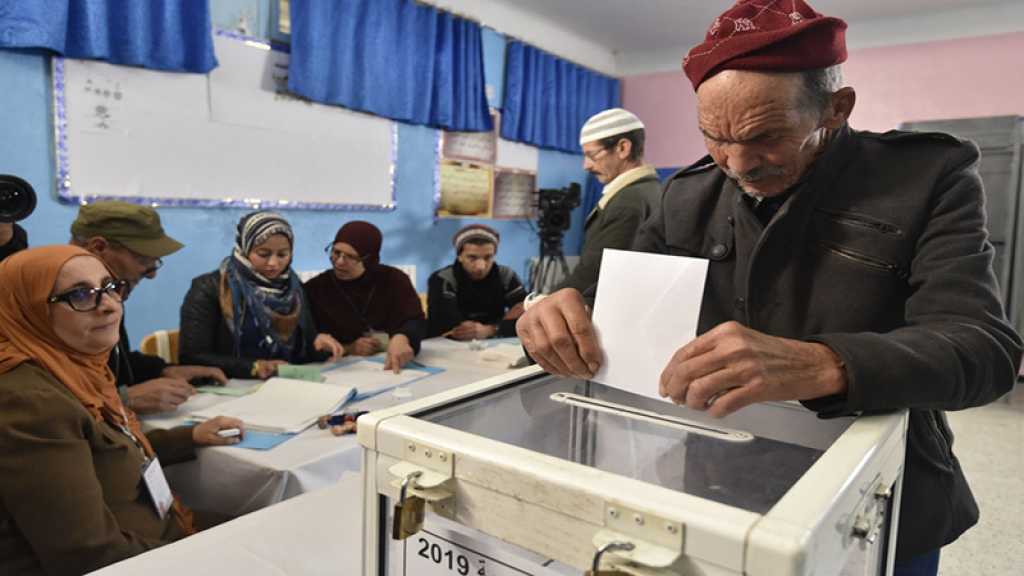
(17, 198)
(554, 209)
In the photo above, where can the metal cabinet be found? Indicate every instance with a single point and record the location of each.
(1000, 140)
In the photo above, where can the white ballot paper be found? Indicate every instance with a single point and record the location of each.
(647, 307)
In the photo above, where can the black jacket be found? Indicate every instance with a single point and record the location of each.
(205, 339)
(444, 311)
(881, 254)
(613, 226)
(131, 367)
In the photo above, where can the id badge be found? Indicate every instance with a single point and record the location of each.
(156, 484)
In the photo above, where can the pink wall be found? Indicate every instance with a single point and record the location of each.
(928, 81)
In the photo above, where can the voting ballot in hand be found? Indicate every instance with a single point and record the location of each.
(638, 343)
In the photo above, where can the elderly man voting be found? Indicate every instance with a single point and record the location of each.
(81, 485)
(848, 270)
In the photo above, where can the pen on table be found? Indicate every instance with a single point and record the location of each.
(339, 419)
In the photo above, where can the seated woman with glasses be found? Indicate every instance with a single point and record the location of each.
(81, 486)
(251, 315)
(366, 305)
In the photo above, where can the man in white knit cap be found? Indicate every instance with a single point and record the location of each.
(613, 151)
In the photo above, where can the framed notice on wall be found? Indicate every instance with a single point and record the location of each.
(466, 159)
(515, 194)
(465, 189)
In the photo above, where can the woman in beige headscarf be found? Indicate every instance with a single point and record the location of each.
(72, 493)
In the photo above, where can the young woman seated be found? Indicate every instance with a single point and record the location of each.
(251, 315)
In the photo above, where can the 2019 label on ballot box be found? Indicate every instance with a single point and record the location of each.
(429, 554)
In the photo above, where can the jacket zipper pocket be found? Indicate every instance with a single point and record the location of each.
(866, 260)
(863, 222)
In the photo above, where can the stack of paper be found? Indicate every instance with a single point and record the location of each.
(282, 405)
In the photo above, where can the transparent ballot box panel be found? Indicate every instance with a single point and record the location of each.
(541, 472)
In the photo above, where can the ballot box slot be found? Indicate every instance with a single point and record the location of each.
(584, 402)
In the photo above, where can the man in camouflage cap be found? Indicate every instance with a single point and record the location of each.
(131, 242)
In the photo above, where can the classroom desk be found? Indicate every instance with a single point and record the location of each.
(236, 481)
(320, 533)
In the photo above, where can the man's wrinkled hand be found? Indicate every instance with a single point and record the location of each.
(732, 366)
(558, 334)
(158, 395)
(188, 373)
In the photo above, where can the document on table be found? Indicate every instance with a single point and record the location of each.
(368, 377)
(647, 307)
(234, 387)
(282, 405)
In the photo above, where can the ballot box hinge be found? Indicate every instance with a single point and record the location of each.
(638, 542)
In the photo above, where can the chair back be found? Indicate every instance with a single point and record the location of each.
(162, 343)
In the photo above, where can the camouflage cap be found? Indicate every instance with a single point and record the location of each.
(131, 225)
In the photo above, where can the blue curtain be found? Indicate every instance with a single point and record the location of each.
(160, 34)
(393, 58)
(547, 99)
(664, 173)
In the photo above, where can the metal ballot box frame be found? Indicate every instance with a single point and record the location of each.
(527, 473)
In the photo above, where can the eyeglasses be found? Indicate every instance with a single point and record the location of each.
(593, 156)
(148, 262)
(88, 299)
(338, 255)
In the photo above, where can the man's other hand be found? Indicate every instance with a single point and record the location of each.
(158, 395)
(558, 334)
(732, 366)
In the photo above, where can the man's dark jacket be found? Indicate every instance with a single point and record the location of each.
(487, 303)
(132, 367)
(613, 226)
(882, 254)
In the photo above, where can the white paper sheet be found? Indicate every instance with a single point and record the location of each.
(368, 377)
(647, 307)
(282, 405)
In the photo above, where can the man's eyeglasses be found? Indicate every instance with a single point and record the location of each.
(88, 299)
(336, 255)
(148, 262)
(593, 156)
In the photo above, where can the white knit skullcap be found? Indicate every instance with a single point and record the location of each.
(611, 122)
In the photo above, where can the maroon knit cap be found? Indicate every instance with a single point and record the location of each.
(364, 237)
(767, 35)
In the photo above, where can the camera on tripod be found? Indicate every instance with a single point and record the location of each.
(554, 216)
(17, 198)
(554, 207)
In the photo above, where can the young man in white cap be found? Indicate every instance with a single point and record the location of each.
(613, 151)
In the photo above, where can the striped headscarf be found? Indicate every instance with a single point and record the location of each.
(264, 315)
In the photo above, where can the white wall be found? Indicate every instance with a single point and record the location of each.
(928, 27)
(516, 23)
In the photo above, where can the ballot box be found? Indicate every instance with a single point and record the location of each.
(527, 473)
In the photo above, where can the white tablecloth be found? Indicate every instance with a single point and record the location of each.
(235, 481)
(315, 534)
